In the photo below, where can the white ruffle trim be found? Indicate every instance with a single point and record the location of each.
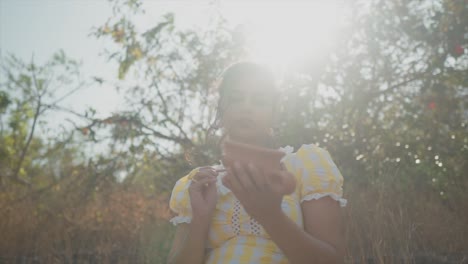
(287, 150)
(180, 219)
(316, 196)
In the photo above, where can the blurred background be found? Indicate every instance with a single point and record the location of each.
(104, 105)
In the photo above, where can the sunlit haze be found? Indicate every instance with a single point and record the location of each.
(281, 34)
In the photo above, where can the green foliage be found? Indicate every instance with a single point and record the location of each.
(27, 95)
(382, 89)
(389, 104)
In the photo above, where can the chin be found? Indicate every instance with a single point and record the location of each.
(245, 136)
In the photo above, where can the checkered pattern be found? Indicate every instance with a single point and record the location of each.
(235, 237)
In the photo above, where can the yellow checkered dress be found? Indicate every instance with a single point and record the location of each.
(235, 237)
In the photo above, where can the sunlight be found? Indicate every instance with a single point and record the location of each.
(283, 34)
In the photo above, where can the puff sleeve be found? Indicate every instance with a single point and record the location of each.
(316, 174)
(179, 202)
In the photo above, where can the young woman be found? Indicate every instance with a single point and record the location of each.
(238, 215)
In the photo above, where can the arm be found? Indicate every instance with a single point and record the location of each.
(186, 247)
(322, 241)
(189, 241)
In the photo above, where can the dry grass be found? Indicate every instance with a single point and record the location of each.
(118, 226)
(383, 223)
(391, 226)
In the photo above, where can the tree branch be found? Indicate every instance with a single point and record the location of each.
(25, 149)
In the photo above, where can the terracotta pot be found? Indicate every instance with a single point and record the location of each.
(267, 160)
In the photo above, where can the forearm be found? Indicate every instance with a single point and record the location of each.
(305, 249)
(192, 251)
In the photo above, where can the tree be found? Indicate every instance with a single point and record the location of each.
(28, 94)
(389, 105)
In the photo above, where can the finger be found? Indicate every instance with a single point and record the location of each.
(257, 177)
(244, 177)
(234, 182)
(208, 179)
(208, 170)
(275, 181)
(198, 188)
(284, 182)
(227, 161)
(283, 167)
(289, 182)
(203, 173)
(238, 175)
(226, 181)
(205, 181)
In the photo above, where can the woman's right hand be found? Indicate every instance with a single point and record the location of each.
(203, 192)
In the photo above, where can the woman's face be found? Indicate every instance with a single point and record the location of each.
(247, 109)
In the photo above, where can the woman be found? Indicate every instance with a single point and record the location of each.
(236, 214)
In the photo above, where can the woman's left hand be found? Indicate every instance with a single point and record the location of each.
(260, 195)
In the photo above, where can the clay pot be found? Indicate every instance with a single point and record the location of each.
(267, 160)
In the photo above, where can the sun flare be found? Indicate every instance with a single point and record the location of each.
(281, 34)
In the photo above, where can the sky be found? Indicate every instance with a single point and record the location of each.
(40, 28)
(43, 27)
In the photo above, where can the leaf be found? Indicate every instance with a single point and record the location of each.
(123, 68)
(136, 52)
(151, 34)
(4, 101)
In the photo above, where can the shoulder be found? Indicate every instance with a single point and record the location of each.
(311, 149)
(307, 155)
(318, 162)
(179, 201)
(185, 179)
(180, 190)
(315, 172)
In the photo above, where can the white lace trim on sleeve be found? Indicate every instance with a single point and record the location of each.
(180, 219)
(316, 196)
